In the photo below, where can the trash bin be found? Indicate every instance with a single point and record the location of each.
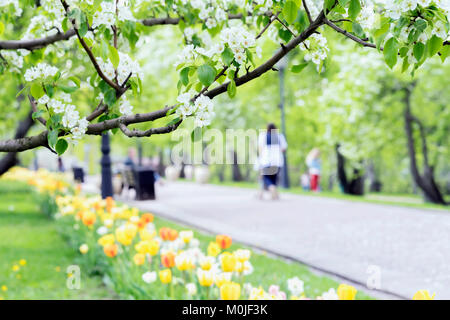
(144, 180)
(78, 174)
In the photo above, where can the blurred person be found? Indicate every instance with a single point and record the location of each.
(304, 181)
(271, 145)
(61, 167)
(313, 162)
(130, 160)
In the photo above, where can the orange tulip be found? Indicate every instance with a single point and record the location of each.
(223, 241)
(109, 203)
(88, 218)
(168, 259)
(147, 217)
(168, 234)
(110, 250)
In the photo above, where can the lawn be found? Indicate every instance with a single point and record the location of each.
(26, 233)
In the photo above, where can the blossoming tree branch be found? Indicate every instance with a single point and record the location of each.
(104, 35)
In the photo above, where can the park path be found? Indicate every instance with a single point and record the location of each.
(409, 247)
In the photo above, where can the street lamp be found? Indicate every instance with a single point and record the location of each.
(107, 189)
(281, 65)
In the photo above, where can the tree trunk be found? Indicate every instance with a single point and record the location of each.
(425, 182)
(355, 186)
(375, 184)
(236, 171)
(10, 159)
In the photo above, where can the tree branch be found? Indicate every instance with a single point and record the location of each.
(149, 132)
(308, 13)
(34, 109)
(34, 44)
(350, 36)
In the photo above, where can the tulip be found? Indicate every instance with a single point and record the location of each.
(213, 249)
(22, 262)
(230, 291)
(205, 278)
(88, 218)
(168, 259)
(228, 261)
(423, 295)
(165, 276)
(147, 218)
(346, 292)
(222, 278)
(139, 259)
(109, 204)
(206, 263)
(106, 239)
(242, 255)
(168, 234)
(184, 261)
(84, 248)
(223, 241)
(186, 235)
(147, 246)
(146, 235)
(110, 250)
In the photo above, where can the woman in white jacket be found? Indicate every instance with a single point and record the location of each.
(271, 145)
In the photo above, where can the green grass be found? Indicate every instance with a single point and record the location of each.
(26, 233)
(404, 200)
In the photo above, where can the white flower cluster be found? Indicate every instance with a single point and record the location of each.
(40, 71)
(125, 67)
(15, 3)
(316, 47)
(238, 40)
(70, 116)
(125, 107)
(395, 8)
(202, 108)
(13, 58)
(367, 16)
(107, 13)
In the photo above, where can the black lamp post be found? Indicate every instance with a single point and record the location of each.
(284, 170)
(107, 188)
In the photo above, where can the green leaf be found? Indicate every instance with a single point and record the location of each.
(110, 97)
(67, 89)
(329, 4)
(206, 74)
(184, 76)
(419, 49)
(52, 138)
(37, 114)
(36, 90)
(75, 80)
(434, 45)
(173, 121)
(298, 68)
(114, 56)
(227, 56)
(61, 146)
(196, 134)
(445, 52)
(354, 9)
(390, 52)
(231, 89)
(290, 11)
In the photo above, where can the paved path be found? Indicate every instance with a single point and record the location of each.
(411, 247)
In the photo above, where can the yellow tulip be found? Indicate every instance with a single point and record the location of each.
(205, 277)
(4, 288)
(206, 263)
(230, 291)
(165, 276)
(423, 295)
(213, 249)
(15, 268)
(242, 255)
(147, 246)
(139, 259)
(106, 239)
(84, 248)
(228, 261)
(184, 262)
(147, 235)
(346, 292)
(22, 262)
